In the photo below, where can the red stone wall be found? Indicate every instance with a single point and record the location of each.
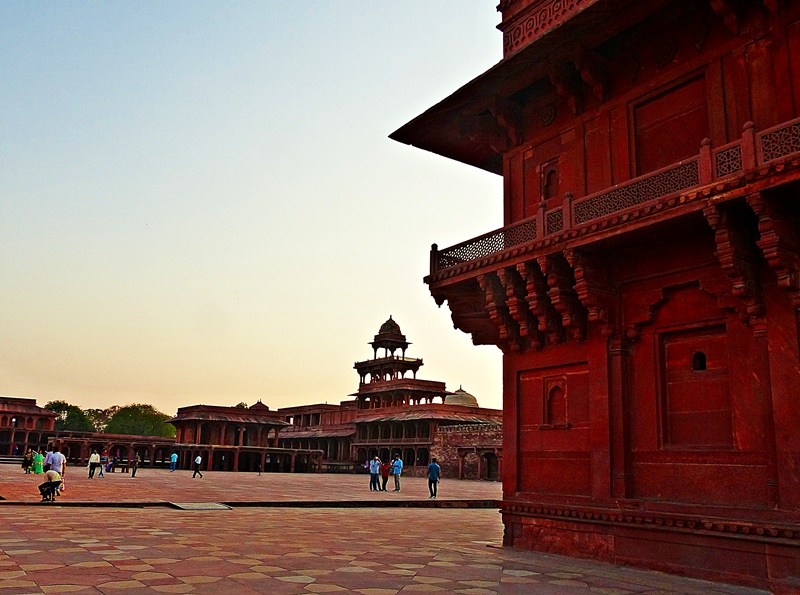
(448, 439)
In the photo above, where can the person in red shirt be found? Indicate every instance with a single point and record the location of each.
(385, 466)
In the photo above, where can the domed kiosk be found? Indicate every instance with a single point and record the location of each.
(462, 398)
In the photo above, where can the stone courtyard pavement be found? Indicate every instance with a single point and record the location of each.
(86, 548)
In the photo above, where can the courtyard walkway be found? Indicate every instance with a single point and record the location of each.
(248, 549)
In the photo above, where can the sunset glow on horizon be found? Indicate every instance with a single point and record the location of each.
(201, 203)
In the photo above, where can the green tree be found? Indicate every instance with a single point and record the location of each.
(100, 417)
(140, 420)
(70, 417)
(241, 405)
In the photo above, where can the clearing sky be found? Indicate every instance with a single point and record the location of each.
(201, 204)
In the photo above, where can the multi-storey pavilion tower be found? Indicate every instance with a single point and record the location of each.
(385, 382)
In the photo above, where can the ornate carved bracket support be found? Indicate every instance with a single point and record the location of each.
(779, 243)
(561, 281)
(483, 129)
(738, 259)
(569, 86)
(467, 305)
(594, 289)
(499, 313)
(727, 10)
(539, 302)
(645, 312)
(516, 300)
(594, 71)
(508, 116)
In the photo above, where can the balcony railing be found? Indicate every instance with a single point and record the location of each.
(753, 150)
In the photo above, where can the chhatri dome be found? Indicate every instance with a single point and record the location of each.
(461, 397)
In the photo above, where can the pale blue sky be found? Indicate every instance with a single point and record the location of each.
(200, 203)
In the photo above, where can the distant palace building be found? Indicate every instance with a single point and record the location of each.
(393, 413)
(23, 425)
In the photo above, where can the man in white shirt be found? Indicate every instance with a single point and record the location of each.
(94, 463)
(198, 459)
(58, 462)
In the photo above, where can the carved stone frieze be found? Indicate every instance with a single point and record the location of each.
(758, 530)
(536, 20)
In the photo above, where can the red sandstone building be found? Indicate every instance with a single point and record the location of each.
(23, 425)
(645, 286)
(237, 439)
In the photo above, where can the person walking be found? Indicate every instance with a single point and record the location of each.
(434, 473)
(38, 461)
(27, 461)
(103, 463)
(173, 461)
(397, 469)
(374, 474)
(94, 461)
(135, 464)
(197, 461)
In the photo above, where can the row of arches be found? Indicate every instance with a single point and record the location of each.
(412, 457)
(17, 442)
(398, 400)
(395, 431)
(34, 422)
(226, 434)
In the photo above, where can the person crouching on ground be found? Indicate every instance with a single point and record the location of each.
(49, 488)
(434, 473)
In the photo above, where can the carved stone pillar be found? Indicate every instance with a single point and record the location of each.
(619, 409)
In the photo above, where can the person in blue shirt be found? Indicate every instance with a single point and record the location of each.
(375, 475)
(397, 469)
(434, 472)
(173, 461)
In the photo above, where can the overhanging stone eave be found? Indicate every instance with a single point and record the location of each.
(437, 129)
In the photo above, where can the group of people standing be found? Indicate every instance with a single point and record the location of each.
(379, 472)
(105, 463)
(33, 462)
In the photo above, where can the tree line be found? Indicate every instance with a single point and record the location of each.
(136, 420)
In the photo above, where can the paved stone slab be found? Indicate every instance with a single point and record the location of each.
(246, 550)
